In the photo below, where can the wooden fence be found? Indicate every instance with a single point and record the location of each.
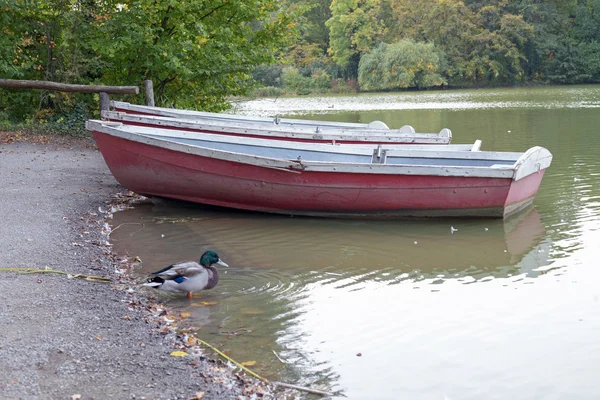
(102, 90)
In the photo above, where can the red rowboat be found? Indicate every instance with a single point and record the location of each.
(342, 183)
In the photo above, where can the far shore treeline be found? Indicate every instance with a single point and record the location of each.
(201, 53)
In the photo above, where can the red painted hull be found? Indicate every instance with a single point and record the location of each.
(155, 171)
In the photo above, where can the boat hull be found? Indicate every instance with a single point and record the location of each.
(162, 172)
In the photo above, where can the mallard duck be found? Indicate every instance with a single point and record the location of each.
(188, 276)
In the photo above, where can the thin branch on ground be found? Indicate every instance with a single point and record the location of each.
(90, 278)
(128, 223)
(254, 374)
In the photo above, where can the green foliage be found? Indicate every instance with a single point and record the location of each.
(18, 35)
(268, 74)
(196, 52)
(71, 122)
(343, 86)
(295, 81)
(590, 60)
(587, 22)
(401, 65)
(497, 56)
(320, 80)
(567, 65)
(304, 54)
(484, 42)
(268, 91)
(355, 27)
(311, 16)
(45, 121)
(19, 54)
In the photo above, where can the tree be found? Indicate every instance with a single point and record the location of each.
(27, 51)
(497, 52)
(401, 65)
(586, 33)
(196, 52)
(355, 27)
(550, 26)
(311, 16)
(447, 23)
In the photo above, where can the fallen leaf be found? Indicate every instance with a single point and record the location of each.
(248, 363)
(76, 397)
(199, 396)
(204, 304)
(185, 314)
(179, 354)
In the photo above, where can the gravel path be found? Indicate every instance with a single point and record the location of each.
(70, 338)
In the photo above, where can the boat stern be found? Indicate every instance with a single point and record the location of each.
(529, 171)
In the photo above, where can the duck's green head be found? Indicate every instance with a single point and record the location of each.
(209, 258)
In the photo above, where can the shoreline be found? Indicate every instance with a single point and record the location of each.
(66, 337)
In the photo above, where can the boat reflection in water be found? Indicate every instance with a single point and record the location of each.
(301, 246)
(279, 266)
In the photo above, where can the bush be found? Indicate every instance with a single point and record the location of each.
(342, 86)
(269, 91)
(294, 81)
(320, 80)
(71, 123)
(268, 75)
(401, 65)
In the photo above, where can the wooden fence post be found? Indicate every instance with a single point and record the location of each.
(149, 89)
(104, 102)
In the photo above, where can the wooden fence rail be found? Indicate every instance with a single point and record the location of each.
(102, 90)
(66, 87)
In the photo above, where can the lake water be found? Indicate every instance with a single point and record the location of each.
(408, 309)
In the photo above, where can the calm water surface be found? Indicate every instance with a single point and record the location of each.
(494, 310)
